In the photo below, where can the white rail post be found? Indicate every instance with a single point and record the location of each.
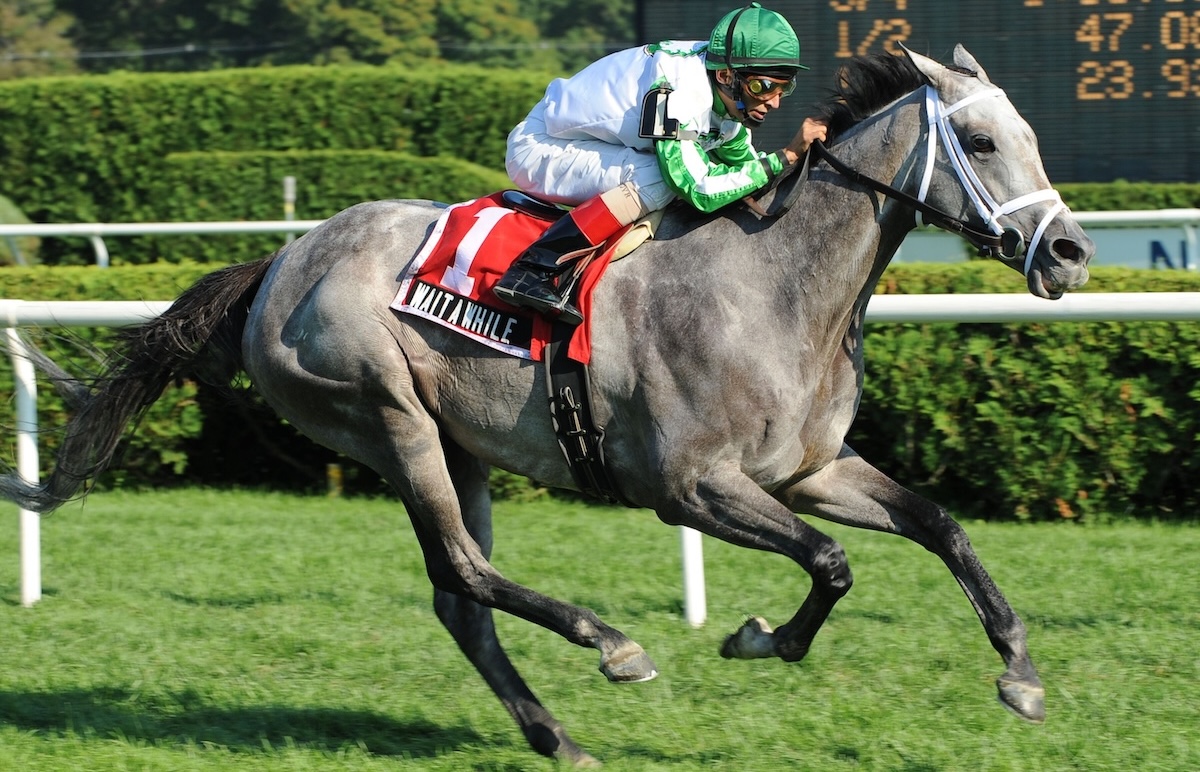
(101, 250)
(695, 603)
(27, 467)
(289, 204)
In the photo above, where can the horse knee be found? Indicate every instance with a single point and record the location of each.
(949, 538)
(460, 578)
(832, 570)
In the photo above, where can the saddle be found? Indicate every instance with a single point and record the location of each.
(637, 234)
(449, 283)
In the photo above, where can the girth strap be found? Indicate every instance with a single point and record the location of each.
(571, 414)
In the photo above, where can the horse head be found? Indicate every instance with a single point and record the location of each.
(998, 184)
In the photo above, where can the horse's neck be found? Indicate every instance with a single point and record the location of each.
(810, 269)
(857, 231)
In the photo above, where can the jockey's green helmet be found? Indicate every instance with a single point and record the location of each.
(754, 38)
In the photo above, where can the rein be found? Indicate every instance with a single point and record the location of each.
(1001, 242)
(984, 240)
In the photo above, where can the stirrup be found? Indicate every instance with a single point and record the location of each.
(548, 302)
(566, 313)
(559, 309)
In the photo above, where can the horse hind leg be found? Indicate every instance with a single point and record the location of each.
(456, 539)
(456, 564)
(473, 628)
(852, 492)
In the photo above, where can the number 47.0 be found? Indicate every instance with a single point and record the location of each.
(1091, 31)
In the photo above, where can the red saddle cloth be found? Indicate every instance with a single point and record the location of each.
(450, 280)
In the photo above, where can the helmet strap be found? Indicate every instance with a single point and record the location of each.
(734, 89)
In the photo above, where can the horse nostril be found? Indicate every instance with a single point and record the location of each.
(1067, 250)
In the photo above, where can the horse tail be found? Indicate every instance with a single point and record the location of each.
(199, 335)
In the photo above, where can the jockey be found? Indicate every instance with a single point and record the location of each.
(638, 128)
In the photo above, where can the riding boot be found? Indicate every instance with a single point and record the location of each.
(532, 281)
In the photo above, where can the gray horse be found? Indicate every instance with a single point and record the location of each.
(727, 366)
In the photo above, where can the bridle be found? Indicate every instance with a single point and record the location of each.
(998, 241)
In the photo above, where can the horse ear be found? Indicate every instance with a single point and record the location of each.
(963, 58)
(931, 69)
(934, 70)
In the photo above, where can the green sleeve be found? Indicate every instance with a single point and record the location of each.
(711, 180)
(736, 151)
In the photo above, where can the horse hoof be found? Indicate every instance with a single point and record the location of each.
(1027, 701)
(579, 760)
(628, 665)
(753, 640)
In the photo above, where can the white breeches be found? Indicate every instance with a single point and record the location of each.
(571, 171)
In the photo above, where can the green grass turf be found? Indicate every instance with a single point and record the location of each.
(201, 630)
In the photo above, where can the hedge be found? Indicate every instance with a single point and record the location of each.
(1081, 421)
(1066, 420)
(152, 147)
(100, 148)
(248, 186)
(1122, 195)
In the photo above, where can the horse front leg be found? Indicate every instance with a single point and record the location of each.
(852, 492)
(729, 506)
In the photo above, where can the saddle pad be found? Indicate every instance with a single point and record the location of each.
(450, 280)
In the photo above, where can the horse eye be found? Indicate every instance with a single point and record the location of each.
(982, 143)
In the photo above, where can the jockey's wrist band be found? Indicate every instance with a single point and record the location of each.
(769, 167)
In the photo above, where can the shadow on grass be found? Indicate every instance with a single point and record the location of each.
(239, 602)
(844, 753)
(871, 616)
(10, 594)
(1077, 621)
(186, 719)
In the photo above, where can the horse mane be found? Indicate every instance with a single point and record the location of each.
(865, 84)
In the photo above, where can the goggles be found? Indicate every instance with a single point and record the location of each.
(765, 88)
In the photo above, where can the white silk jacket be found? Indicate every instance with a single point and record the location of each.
(706, 159)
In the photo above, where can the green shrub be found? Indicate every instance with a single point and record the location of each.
(236, 186)
(1036, 421)
(16, 250)
(102, 148)
(998, 421)
(155, 147)
(1122, 195)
